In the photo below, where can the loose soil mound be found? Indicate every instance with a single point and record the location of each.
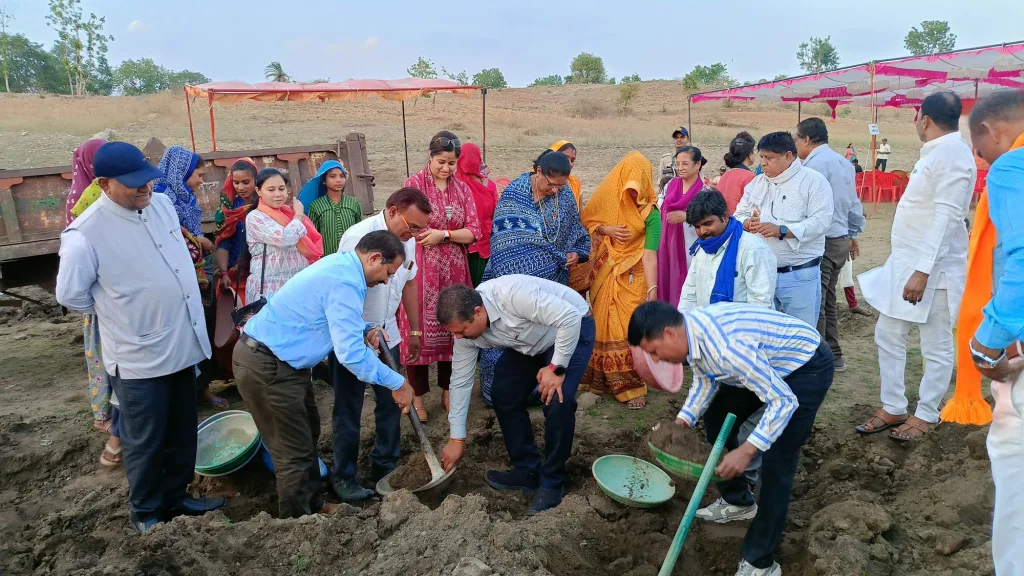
(414, 474)
(680, 441)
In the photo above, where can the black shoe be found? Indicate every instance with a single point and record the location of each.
(350, 491)
(143, 524)
(545, 499)
(376, 473)
(513, 480)
(195, 507)
(839, 364)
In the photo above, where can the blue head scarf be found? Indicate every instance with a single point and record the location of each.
(317, 187)
(177, 167)
(725, 279)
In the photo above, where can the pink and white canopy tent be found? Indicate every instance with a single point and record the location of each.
(349, 90)
(898, 82)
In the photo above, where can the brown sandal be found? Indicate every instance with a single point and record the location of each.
(110, 457)
(880, 421)
(913, 429)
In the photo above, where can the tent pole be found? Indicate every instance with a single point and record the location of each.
(213, 125)
(798, 118)
(191, 130)
(405, 137)
(874, 120)
(975, 91)
(483, 94)
(689, 118)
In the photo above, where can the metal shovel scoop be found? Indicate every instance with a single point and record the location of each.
(438, 478)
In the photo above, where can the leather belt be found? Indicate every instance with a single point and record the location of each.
(254, 344)
(808, 264)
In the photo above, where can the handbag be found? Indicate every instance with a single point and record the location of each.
(243, 314)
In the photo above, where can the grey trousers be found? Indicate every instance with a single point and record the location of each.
(837, 251)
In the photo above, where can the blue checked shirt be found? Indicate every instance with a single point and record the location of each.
(318, 310)
(738, 344)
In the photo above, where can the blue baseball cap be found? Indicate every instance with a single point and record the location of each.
(682, 131)
(124, 163)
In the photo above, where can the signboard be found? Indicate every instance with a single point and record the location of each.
(873, 129)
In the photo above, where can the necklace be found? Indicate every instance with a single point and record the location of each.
(547, 225)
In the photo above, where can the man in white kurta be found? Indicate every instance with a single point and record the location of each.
(923, 280)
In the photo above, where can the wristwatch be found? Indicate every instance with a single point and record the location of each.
(981, 360)
(558, 370)
(783, 231)
(447, 237)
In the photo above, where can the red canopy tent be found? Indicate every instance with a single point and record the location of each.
(349, 90)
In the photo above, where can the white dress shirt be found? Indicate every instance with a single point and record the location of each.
(132, 268)
(928, 232)
(755, 275)
(527, 314)
(883, 152)
(381, 305)
(848, 213)
(799, 199)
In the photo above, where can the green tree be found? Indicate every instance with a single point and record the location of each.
(490, 77)
(5, 47)
(630, 78)
(779, 77)
(553, 80)
(461, 78)
(143, 76)
(30, 67)
(275, 73)
(423, 68)
(182, 78)
(934, 37)
(702, 76)
(586, 69)
(81, 42)
(818, 55)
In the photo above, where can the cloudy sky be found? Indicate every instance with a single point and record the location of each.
(526, 39)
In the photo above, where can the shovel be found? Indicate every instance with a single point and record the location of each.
(437, 473)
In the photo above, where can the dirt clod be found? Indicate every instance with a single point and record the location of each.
(680, 441)
(414, 474)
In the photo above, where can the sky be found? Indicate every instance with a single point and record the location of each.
(526, 39)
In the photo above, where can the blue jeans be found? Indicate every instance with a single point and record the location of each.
(157, 427)
(515, 377)
(809, 383)
(349, 392)
(798, 294)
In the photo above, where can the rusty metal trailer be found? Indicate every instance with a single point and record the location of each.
(32, 201)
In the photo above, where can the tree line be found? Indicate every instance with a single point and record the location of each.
(76, 63)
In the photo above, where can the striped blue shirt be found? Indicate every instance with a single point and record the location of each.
(739, 344)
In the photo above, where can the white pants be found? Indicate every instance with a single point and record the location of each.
(891, 337)
(1006, 452)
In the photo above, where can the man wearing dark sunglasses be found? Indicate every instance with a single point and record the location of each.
(406, 215)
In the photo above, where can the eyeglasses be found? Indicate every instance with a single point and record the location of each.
(446, 142)
(413, 229)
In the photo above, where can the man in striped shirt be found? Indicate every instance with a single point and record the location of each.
(744, 357)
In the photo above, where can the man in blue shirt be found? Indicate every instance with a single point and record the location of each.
(318, 311)
(997, 132)
(745, 357)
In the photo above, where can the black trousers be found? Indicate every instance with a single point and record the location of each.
(880, 163)
(280, 399)
(157, 427)
(809, 383)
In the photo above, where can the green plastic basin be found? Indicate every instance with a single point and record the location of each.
(229, 440)
(678, 466)
(632, 481)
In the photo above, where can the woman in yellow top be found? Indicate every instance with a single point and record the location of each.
(625, 226)
(579, 274)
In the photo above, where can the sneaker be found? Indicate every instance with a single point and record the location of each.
(351, 491)
(746, 569)
(513, 480)
(721, 512)
(840, 365)
(545, 499)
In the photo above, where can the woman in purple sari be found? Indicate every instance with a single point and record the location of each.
(676, 234)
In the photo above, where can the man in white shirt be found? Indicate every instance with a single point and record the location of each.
(406, 214)
(125, 259)
(548, 332)
(847, 223)
(882, 155)
(923, 280)
(791, 207)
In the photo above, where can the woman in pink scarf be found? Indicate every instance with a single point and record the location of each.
(82, 175)
(676, 234)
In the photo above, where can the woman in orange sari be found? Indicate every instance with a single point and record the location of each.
(625, 225)
(579, 274)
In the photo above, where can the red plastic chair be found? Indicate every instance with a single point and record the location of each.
(863, 186)
(885, 186)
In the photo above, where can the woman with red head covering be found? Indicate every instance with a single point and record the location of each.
(485, 196)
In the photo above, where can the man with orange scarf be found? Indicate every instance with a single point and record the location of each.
(992, 313)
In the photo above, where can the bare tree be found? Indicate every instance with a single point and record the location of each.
(5, 46)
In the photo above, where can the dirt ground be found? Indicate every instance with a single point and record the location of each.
(860, 506)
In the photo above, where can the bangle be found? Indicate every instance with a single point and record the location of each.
(457, 440)
(415, 333)
(655, 287)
